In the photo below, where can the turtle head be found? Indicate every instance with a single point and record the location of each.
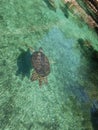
(39, 54)
(40, 49)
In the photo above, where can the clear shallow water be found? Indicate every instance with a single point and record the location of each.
(63, 104)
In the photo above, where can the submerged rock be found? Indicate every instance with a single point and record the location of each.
(94, 115)
(80, 11)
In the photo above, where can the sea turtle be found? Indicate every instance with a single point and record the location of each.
(41, 66)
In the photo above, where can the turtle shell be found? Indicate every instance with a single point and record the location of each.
(40, 63)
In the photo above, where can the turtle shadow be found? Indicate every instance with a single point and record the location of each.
(24, 63)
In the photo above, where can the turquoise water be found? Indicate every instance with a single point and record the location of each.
(65, 102)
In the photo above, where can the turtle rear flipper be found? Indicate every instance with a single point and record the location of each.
(34, 76)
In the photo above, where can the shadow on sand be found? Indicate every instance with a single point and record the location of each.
(24, 63)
